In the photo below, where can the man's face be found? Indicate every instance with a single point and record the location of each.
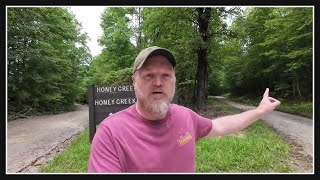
(154, 84)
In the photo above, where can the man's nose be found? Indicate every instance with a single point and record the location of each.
(157, 81)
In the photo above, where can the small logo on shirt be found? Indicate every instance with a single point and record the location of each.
(184, 138)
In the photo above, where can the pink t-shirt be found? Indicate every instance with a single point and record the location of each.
(126, 142)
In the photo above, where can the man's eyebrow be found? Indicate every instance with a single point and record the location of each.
(147, 69)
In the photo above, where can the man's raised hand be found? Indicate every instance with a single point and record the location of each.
(267, 104)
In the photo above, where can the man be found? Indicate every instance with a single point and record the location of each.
(154, 135)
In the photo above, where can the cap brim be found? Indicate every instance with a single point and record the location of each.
(162, 52)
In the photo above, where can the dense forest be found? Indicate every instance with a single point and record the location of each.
(218, 50)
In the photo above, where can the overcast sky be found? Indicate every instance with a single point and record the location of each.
(89, 17)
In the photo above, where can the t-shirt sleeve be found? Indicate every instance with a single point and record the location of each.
(203, 125)
(103, 154)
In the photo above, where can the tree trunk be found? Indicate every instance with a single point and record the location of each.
(139, 27)
(298, 87)
(202, 68)
(201, 80)
(294, 86)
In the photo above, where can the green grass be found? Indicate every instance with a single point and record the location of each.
(301, 108)
(257, 149)
(74, 159)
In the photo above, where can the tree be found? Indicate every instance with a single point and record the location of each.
(45, 53)
(275, 51)
(113, 65)
(193, 35)
(116, 37)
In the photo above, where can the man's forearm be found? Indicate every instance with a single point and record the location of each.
(233, 123)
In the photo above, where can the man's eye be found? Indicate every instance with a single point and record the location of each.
(149, 76)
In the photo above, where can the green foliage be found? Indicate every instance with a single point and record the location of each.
(50, 67)
(276, 52)
(298, 107)
(301, 108)
(178, 30)
(113, 65)
(119, 77)
(185, 91)
(118, 50)
(45, 55)
(172, 28)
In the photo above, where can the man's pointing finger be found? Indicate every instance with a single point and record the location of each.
(266, 93)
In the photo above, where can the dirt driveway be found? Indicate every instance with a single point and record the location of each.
(24, 152)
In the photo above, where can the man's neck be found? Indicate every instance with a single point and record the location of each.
(147, 114)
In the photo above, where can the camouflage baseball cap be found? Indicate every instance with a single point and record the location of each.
(152, 51)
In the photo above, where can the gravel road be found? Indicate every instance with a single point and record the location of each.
(35, 140)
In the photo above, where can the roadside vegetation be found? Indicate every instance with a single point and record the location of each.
(74, 159)
(297, 107)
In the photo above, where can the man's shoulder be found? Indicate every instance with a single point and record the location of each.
(177, 107)
(117, 118)
(179, 110)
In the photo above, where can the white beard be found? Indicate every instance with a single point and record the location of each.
(159, 108)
